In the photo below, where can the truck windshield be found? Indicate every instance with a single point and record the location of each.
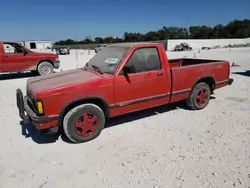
(107, 60)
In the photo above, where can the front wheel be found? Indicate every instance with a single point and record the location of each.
(45, 68)
(199, 97)
(84, 123)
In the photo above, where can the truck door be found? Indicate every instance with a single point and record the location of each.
(14, 58)
(145, 86)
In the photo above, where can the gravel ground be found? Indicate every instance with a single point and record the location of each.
(163, 147)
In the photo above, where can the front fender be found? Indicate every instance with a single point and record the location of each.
(100, 101)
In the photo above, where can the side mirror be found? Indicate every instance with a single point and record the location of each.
(128, 69)
(25, 52)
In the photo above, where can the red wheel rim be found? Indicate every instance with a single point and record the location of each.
(86, 124)
(202, 97)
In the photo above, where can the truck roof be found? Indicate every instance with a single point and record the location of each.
(8, 42)
(132, 44)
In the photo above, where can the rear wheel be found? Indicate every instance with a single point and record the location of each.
(84, 123)
(199, 97)
(45, 68)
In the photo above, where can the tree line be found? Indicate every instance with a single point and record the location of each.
(234, 29)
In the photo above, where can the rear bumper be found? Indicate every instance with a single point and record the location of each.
(28, 115)
(230, 81)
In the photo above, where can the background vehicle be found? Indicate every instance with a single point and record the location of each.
(62, 50)
(120, 79)
(99, 47)
(16, 58)
(206, 48)
(182, 47)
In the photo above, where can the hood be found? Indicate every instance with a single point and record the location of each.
(58, 80)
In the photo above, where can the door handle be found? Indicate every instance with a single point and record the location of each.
(149, 74)
(160, 73)
(6, 56)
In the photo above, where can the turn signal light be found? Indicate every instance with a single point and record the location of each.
(39, 107)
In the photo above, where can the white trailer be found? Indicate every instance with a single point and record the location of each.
(38, 45)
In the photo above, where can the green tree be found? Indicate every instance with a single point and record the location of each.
(234, 29)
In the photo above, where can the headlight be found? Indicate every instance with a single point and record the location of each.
(39, 105)
(57, 59)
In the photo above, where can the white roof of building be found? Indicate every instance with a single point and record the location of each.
(36, 41)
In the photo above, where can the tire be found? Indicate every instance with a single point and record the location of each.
(83, 131)
(34, 72)
(199, 97)
(45, 68)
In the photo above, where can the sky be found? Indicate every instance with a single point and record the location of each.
(76, 19)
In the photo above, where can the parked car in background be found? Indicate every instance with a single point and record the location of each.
(247, 45)
(120, 79)
(62, 50)
(217, 47)
(178, 47)
(182, 47)
(16, 58)
(206, 48)
(99, 47)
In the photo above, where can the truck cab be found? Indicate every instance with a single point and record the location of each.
(16, 58)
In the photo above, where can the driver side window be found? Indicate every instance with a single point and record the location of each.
(12, 48)
(143, 60)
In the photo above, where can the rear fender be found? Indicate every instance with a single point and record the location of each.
(207, 79)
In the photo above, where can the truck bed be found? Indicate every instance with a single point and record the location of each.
(185, 72)
(182, 62)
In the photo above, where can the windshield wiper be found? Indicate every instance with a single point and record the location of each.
(97, 69)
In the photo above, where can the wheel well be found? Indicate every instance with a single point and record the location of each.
(96, 101)
(209, 81)
(49, 61)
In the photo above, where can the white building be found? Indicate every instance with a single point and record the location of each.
(38, 45)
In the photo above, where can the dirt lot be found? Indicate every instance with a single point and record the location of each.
(163, 147)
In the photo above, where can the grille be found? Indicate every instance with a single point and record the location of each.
(31, 101)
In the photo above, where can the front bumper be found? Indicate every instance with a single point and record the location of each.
(230, 81)
(27, 114)
(56, 64)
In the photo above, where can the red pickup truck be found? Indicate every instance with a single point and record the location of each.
(16, 58)
(120, 79)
